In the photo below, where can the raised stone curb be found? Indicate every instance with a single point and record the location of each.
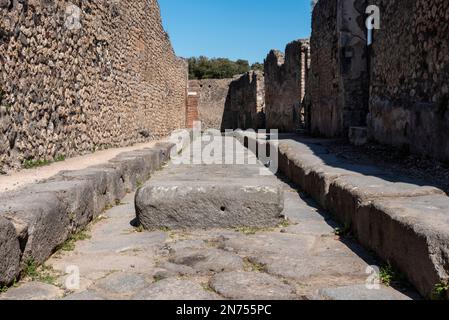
(37, 219)
(402, 222)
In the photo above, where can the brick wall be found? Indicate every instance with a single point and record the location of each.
(192, 115)
(67, 88)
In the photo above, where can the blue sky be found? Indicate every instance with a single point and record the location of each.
(234, 29)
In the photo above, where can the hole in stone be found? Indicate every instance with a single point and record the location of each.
(223, 208)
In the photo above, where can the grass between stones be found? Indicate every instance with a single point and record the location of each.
(252, 266)
(32, 164)
(389, 276)
(441, 290)
(253, 230)
(69, 244)
(43, 273)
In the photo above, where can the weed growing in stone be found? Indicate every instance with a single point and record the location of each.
(43, 273)
(345, 231)
(32, 164)
(440, 291)
(69, 245)
(252, 266)
(286, 223)
(30, 269)
(60, 158)
(389, 275)
(251, 230)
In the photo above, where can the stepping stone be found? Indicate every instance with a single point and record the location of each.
(189, 196)
(175, 289)
(33, 291)
(252, 285)
(361, 292)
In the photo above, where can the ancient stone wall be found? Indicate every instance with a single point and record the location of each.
(245, 104)
(212, 98)
(77, 76)
(409, 103)
(285, 85)
(338, 83)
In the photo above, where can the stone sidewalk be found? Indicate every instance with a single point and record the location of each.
(403, 220)
(302, 258)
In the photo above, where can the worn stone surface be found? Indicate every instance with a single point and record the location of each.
(258, 286)
(9, 252)
(210, 196)
(411, 233)
(87, 295)
(290, 262)
(245, 103)
(206, 260)
(77, 198)
(44, 215)
(347, 192)
(175, 289)
(361, 292)
(285, 76)
(76, 79)
(121, 284)
(402, 221)
(40, 222)
(33, 291)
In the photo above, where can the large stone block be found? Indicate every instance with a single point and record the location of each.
(9, 252)
(77, 198)
(348, 192)
(98, 181)
(40, 221)
(195, 205)
(410, 233)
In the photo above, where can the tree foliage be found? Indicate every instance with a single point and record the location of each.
(257, 66)
(216, 68)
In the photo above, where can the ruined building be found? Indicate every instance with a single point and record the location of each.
(77, 76)
(338, 80)
(212, 95)
(245, 106)
(285, 77)
(409, 96)
(396, 88)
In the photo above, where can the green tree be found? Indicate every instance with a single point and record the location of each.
(257, 66)
(216, 68)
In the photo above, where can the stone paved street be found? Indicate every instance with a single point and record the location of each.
(302, 258)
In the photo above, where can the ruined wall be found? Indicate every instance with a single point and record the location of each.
(409, 103)
(212, 98)
(285, 77)
(70, 86)
(245, 105)
(338, 82)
